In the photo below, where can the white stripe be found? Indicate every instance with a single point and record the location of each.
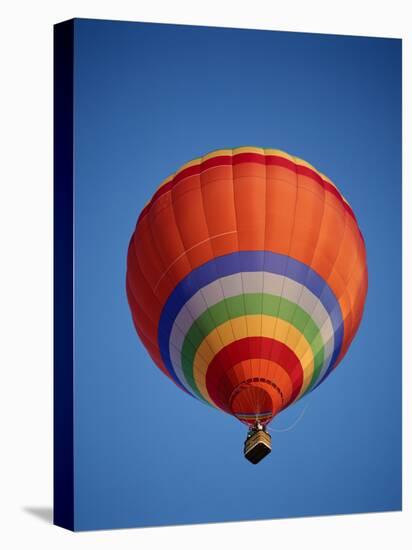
(326, 364)
(249, 283)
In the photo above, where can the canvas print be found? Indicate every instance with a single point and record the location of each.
(227, 274)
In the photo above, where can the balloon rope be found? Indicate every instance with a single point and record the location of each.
(293, 425)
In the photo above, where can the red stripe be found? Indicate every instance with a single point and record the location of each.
(255, 347)
(226, 160)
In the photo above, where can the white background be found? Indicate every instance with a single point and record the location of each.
(26, 272)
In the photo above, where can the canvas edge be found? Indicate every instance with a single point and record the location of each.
(63, 369)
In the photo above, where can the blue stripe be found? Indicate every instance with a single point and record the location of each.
(244, 261)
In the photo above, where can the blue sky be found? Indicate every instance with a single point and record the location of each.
(148, 98)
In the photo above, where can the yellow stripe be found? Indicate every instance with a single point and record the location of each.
(279, 153)
(247, 149)
(217, 153)
(255, 325)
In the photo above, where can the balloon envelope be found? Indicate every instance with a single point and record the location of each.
(246, 279)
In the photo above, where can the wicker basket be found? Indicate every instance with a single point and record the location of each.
(257, 446)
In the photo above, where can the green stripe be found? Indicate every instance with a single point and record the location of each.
(250, 304)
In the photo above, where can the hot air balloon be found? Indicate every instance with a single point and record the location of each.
(246, 279)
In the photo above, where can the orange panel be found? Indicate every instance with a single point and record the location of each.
(148, 259)
(249, 170)
(280, 212)
(220, 215)
(190, 220)
(167, 241)
(139, 287)
(330, 236)
(280, 174)
(349, 250)
(216, 173)
(250, 204)
(308, 218)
